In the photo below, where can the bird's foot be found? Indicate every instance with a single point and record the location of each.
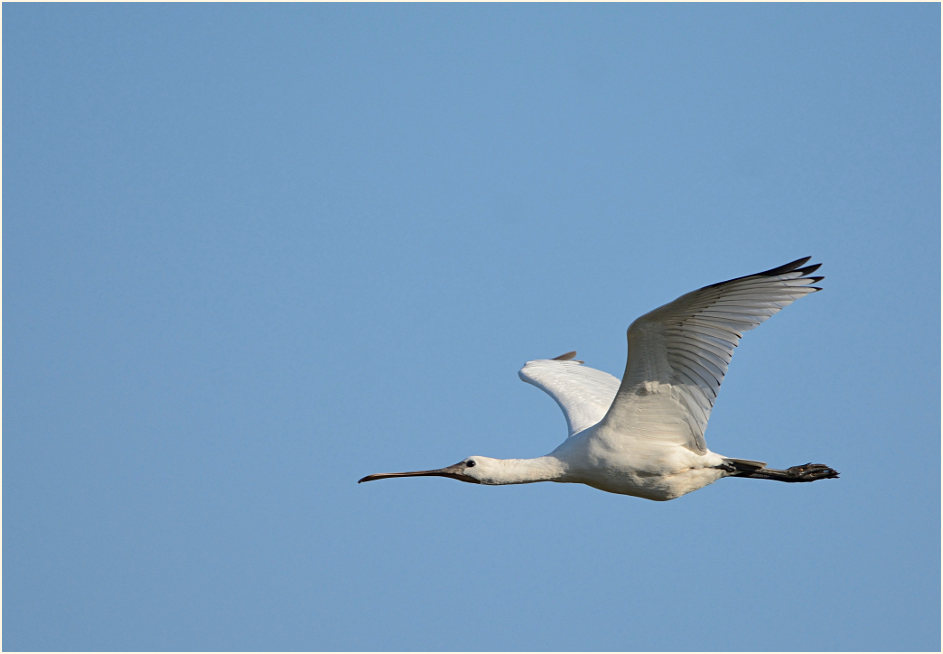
(811, 472)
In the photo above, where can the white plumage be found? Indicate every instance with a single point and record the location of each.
(583, 393)
(644, 436)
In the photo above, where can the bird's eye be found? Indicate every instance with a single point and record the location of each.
(469, 464)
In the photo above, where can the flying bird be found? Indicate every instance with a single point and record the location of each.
(644, 436)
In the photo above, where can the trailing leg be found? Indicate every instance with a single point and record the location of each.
(758, 470)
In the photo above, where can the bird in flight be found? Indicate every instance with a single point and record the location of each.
(644, 436)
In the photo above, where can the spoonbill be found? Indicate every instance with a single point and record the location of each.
(644, 436)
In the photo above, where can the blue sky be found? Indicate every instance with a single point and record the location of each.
(255, 252)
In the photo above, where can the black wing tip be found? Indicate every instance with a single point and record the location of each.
(565, 357)
(795, 264)
(808, 269)
(791, 267)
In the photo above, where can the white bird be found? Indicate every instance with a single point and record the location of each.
(645, 435)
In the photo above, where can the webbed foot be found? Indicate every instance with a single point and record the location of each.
(811, 472)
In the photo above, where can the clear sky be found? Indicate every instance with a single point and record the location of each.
(255, 252)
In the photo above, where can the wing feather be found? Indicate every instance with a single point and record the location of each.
(584, 393)
(679, 353)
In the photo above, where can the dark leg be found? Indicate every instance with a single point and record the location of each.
(756, 470)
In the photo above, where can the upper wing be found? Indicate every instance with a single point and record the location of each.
(678, 353)
(584, 394)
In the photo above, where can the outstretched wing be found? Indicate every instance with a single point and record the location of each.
(584, 393)
(679, 353)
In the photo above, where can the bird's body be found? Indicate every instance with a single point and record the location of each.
(644, 436)
(653, 470)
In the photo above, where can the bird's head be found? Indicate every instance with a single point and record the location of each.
(473, 469)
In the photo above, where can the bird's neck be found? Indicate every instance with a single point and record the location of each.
(525, 471)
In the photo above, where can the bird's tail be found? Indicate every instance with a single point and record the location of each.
(744, 467)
